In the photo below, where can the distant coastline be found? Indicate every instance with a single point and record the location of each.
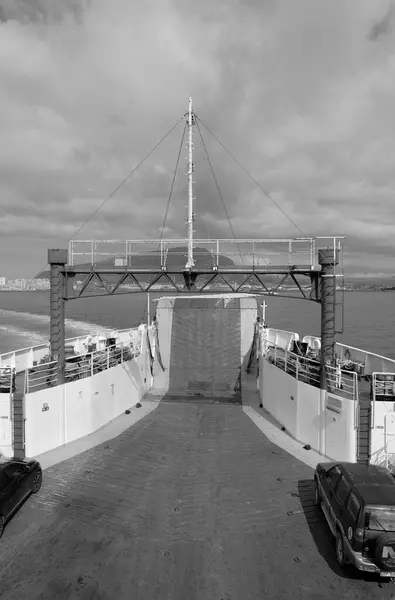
(23, 285)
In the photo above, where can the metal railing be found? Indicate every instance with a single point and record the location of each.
(45, 374)
(342, 383)
(7, 379)
(369, 362)
(303, 369)
(253, 253)
(41, 376)
(382, 391)
(20, 359)
(383, 384)
(308, 370)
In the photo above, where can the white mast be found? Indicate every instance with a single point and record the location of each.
(191, 216)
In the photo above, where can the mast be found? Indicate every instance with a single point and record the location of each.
(191, 215)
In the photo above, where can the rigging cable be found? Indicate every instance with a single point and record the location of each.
(172, 183)
(168, 201)
(219, 190)
(251, 177)
(128, 176)
(122, 182)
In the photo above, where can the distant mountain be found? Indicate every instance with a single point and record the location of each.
(176, 259)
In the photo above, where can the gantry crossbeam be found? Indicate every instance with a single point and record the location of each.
(284, 267)
(88, 282)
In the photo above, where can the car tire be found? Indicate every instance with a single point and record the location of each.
(2, 523)
(37, 482)
(340, 554)
(385, 564)
(318, 498)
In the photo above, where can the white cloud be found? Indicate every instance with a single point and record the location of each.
(301, 92)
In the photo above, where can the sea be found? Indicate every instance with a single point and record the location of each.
(369, 317)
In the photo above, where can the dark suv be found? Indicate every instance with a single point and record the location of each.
(358, 502)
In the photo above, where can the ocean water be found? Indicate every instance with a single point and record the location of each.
(369, 317)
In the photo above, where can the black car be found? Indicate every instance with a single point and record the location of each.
(358, 502)
(18, 479)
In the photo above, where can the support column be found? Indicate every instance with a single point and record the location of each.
(328, 259)
(57, 260)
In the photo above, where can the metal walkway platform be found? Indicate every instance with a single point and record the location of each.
(191, 502)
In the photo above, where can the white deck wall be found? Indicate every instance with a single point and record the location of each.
(302, 416)
(62, 414)
(65, 413)
(5, 425)
(296, 406)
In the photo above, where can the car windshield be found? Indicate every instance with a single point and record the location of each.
(380, 518)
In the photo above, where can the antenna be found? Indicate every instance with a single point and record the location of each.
(191, 217)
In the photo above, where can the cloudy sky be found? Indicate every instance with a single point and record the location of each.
(302, 92)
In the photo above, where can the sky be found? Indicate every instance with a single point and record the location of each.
(302, 93)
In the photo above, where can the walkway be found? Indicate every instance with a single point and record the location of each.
(192, 502)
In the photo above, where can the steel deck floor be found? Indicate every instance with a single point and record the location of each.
(192, 502)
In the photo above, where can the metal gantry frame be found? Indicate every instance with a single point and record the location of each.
(315, 280)
(98, 282)
(208, 266)
(269, 266)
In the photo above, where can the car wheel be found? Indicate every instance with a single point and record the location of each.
(1, 525)
(37, 481)
(318, 499)
(340, 555)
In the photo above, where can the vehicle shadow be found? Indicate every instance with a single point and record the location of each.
(13, 516)
(322, 536)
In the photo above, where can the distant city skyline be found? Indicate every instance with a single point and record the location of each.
(23, 284)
